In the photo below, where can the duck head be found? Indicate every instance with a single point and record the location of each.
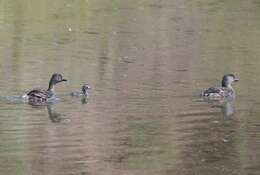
(228, 79)
(55, 78)
(84, 88)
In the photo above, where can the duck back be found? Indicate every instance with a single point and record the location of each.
(217, 92)
(37, 95)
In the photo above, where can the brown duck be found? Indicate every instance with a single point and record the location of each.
(40, 95)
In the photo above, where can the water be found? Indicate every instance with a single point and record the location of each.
(146, 62)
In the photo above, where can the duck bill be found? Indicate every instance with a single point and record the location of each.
(236, 80)
(64, 80)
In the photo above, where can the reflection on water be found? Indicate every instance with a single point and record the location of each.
(226, 106)
(54, 116)
(227, 109)
(84, 100)
(147, 61)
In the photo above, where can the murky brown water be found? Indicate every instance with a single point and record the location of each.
(147, 61)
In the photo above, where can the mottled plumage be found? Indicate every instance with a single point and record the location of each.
(39, 95)
(216, 92)
(225, 91)
(83, 93)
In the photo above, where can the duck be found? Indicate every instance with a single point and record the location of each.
(225, 91)
(84, 91)
(36, 96)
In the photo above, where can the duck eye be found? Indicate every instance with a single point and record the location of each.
(59, 78)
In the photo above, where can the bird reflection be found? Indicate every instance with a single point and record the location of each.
(227, 109)
(84, 100)
(55, 117)
(226, 106)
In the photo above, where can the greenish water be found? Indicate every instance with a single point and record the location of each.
(146, 61)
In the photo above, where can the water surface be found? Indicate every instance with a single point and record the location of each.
(146, 61)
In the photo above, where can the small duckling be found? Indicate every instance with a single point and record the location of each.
(84, 92)
(225, 91)
(39, 95)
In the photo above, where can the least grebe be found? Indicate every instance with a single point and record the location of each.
(83, 93)
(226, 89)
(40, 95)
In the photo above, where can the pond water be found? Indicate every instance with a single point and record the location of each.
(146, 61)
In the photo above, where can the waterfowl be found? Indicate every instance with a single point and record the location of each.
(39, 95)
(83, 93)
(225, 91)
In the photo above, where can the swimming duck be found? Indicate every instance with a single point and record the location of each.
(83, 93)
(226, 90)
(40, 95)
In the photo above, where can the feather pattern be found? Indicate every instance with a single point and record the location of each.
(38, 95)
(225, 91)
(217, 92)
